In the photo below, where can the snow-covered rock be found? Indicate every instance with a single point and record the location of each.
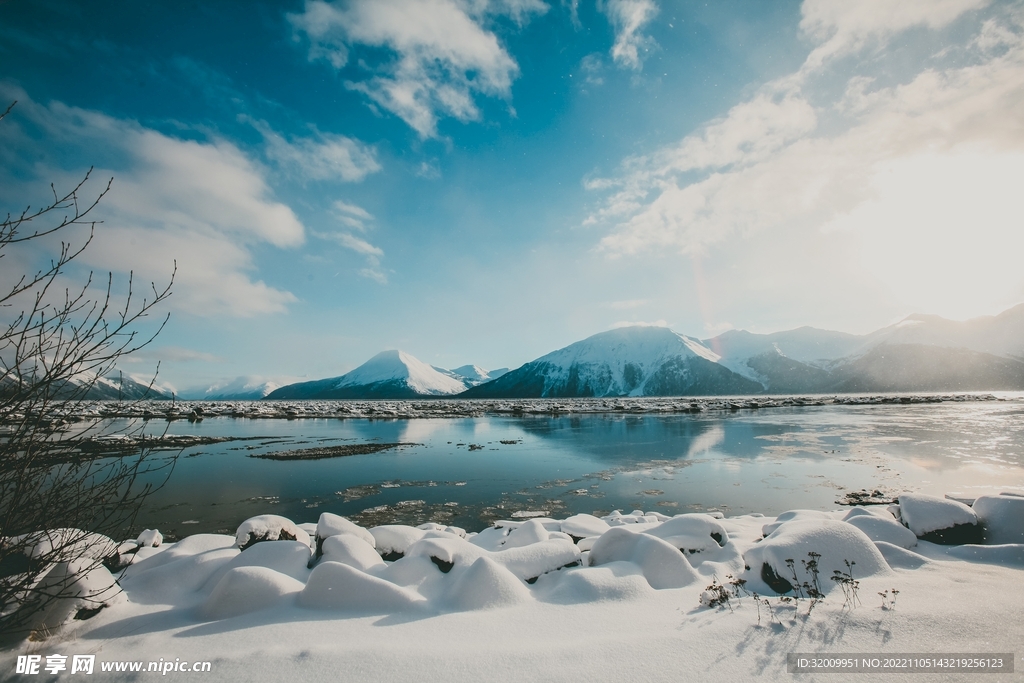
(392, 540)
(692, 533)
(794, 516)
(83, 587)
(781, 559)
(150, 538)
(661, 563)
(268, 528)
(584, 525)
(1002, 517)
(333, 525)
(939, 520)
(486, 584)
(351, 550)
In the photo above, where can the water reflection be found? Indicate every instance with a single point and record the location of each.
(467, 471)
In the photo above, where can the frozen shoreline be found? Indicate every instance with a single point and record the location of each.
(454, 408)
(611, 599)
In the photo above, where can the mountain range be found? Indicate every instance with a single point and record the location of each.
(920, 353)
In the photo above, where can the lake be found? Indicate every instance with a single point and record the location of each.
(470, 471)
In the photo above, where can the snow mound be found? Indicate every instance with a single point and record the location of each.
(887, 531)
(938, 519)
(661, 563)
(1002, 517)
(394, 539)
(85, 587)
(532, 531)
(793, 516)
(333, 525)
(781, 558)
(268, 528)
(898, 557)
(530, 561)
(584, 525)
(286, 557)
(173, 582)
(351, 550)
(615, 581)
(487, 585)
(247, 589)
(65, 545)
(693, 533)
(1006, 555)
(333, 585)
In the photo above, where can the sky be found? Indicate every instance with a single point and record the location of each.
(485, 181)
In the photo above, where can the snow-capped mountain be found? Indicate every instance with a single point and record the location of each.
(388, 375)
(471, 375)
(88, 386)
(245, 388)
(919, 353)
(629, 361)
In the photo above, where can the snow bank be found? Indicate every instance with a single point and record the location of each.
(150, 538)
(1002, 517)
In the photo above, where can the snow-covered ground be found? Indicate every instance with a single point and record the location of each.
(620, 598)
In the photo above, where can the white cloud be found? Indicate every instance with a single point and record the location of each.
(355, 217)
(885, 196)
(841, 26)
(628, 18)
(321, 156)
(443, 54)
(202, 204)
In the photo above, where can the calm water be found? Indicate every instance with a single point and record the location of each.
(748, 461)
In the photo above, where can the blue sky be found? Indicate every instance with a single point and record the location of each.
(483, 181)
